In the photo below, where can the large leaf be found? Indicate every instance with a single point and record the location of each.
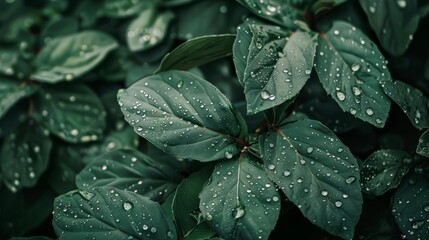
(423, 145)
(148, 29)
(351, 69)
(411, 100)
(186, 201)
(11, 92)
(271, 63)
(394, 22)
(70, 111)
(129, 170)
(110, 213)
(317, 172)
(67, 58)
(383, 170)
(25, 155)
(197, 51)
(410, 206)
(239, 201)
(183, 115)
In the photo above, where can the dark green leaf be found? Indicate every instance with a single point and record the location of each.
(31, 238)
(59, 28)
(271, 63)
(8, 60)
(148, 29)
(351, 69)
(13, 118)
(9, 8)
(239, 201)
(70, 111)
(11, 92)
(116, 65)
(410, 206)
(394, 22)
(183, 115)
(383, 170)
(123, 8)
(129, 170)
(423, 145)
(411, 100)
(197, 51)
(186, 202)
(278, 113)
(317, 172)
(67, 58)
(110, 213)
(25, 155)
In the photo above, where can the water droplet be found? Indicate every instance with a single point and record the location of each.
(307, 71)
(341, 96)
(310, 149)
(228, 154)
(372, 9)
(68, 77)
(401, 3)
(324, 193)
(153, 230)
(356, 91)
(369, 112)
(417, 224)
(180, 84)
(426, 208)
(350, 179)
(265, 95)
(340, 149)
(353, 111)
(271, 9)
(74, 132)
(170, 234)
(355, 67)
(338, 204)
(32, 175)
(275, 198)
(127, 206)
(336, 32)
(239, 212)
(345, 195)
(145, 227)
(104, 167)
(271, 166)
(286, 173)
(87, 195)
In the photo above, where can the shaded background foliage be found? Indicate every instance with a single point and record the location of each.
(63, 62)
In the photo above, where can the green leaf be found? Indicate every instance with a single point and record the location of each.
(123, 8)
(394, 22)
(351, 69)
(317, 172)
(183, 115)
(132, 171)
(411, 100)
(25, 155)
(9, 8)
(410, 206)
(11, 92)
(67, 58)
(70, 111)
(110, 213)
(271, 63)
(8, 60)
(59, 28)
(239, 201)
(423, 145)
(148, 29)
(197, 51)
(383, 170)
(186, 202)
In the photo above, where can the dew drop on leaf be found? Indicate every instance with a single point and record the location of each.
(87, 195)
(265, 95)
(338, 204)
(307, 71)
(350, 179)
(355, 67)
(127, 206)
(271, 166)
(341, 96)
(239, 212)
(228, 154)
(153, 230)
(356, 91)
(324, 193)
(310, 149)
(401, 3)
(286, 173)
(145, 227)
(369, 112)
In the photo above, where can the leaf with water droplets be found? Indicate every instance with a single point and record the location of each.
(239, 201)
(186, 201)
(271, 63)
(183, 115)
(70, 111)
(130, 170)
(383, 170)
(423, 145)
(357, 90)
(411, 100)
(123, 8)
(394, 22)
(13, 91)
(110, 213)
(69, 57)
(317, 172)
(148, 29)
(410, 206)
(23, 160)
(197, 51)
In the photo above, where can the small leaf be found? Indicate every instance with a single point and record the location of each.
(67, 58)
(148, 29)
(186, 201)
(383, 170)
(423, 145)
(351, 69)
(70, 111)
(123, 8)
(271, 63)
(183, 115)
(132, 171)
(410, 206)
(8, 60)
(24, 160)
(197, 51)
(411, 100)
(110, 213)
(394, 22)
(239, 201)
(317, 172)
(11, 92)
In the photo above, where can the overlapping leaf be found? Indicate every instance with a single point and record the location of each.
(317, 172)
(423, 145)
(110, 213)
(183, 115)
(11, 92)
(123, 8)
(239, 201)
(351, 69)
(130, 170)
